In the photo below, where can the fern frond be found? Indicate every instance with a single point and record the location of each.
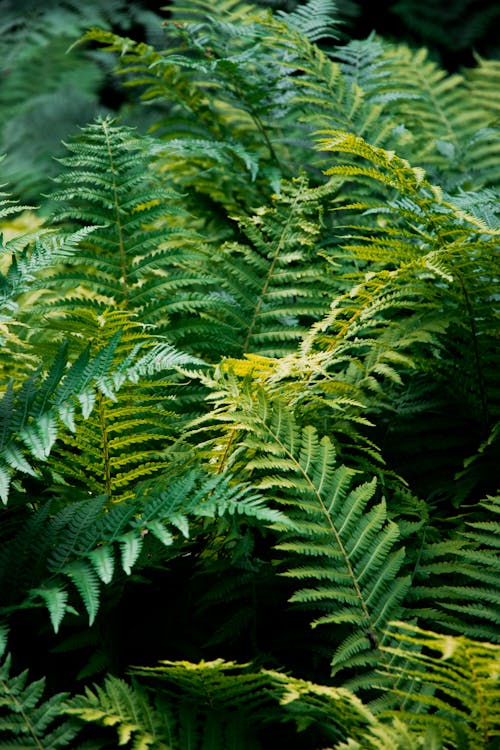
(127, 708)
(29, 418)
(315, 20)
(82, 541)
(396, 735)
(31, 415)
(27, 719)
(210, 704)
(452, 140)
(463, 677)
(182, 720)
(322, 94)
(456, 582)
(422, 249)
(225, 689)
(482, 83)
(198, 11)
(106, 183)
(124, 400)
(221, 95)
(56, 600)
(346, 294)
(365, 64)
(132, 415)
(49, 90)
(87, 584)
(8, 205)
(273, 284)
(343, 543)
(35, 119)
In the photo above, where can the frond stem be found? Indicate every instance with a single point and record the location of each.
(121, 244)
(263, 131)
(334, 531)
(22, 712)
(105, 446)
(269, 276)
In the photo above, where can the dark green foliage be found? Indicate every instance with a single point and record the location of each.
(435, 286)
(48, 90)
(466, 22)
(271, 282)
(249, 385)
(82, 541)
(468, 603)
(316, 20)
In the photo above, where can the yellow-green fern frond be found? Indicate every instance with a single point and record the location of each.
(344, 548)
(129, 420)
(456, 683)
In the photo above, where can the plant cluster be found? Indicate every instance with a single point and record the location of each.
(249, 402)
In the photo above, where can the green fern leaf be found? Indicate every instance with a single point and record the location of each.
(395, 736)
(27, 719)
(315, 20)
(456, 583)
(55, 600)
(5, 478)
(159, 530)
(15, 459)
(131, 546)
(4, 634)
(32, 413)
(41, 437)
(79, 540)
(116, 191)
(225, 699)
(104, 563)
(86, 581)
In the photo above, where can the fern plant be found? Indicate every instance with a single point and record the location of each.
(429, 251)
(271, 282)
(140, 413)
(171, 701)
(219, 115)
(218, 704)
(79, 542)
(251, 382)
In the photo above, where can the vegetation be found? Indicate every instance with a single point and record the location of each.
(249, 413)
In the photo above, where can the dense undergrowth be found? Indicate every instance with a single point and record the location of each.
(249, 424)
